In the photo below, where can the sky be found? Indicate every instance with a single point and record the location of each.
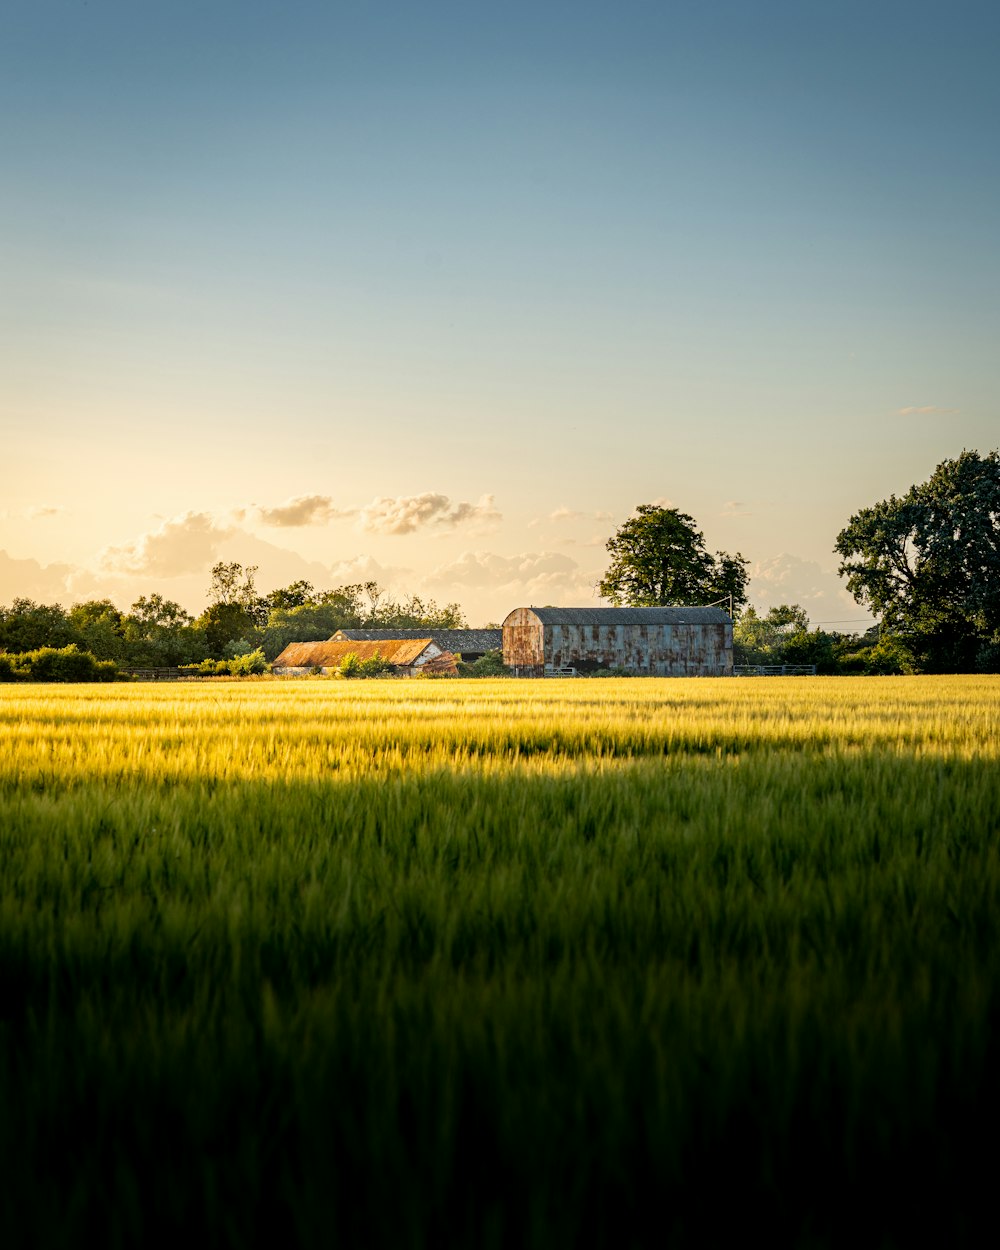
(436, 294)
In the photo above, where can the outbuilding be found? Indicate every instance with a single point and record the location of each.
(409, 656)
(654, 642)
(469, 644)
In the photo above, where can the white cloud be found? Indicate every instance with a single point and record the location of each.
(302, 510)
(174, 560)
(790, 579)
(405, 514)
(926, 410)
(183, 544)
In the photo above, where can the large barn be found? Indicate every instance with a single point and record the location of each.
(655, 642)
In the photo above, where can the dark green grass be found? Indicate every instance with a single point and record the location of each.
(661, 1001)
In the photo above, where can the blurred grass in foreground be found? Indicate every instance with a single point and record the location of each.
(500, 963)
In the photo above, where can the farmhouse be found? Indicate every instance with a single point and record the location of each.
(409, 656)
(660, 642)
(470, 644)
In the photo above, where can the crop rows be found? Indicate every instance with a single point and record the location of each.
(499, 963)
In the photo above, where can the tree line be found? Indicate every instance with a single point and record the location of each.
(156, 632)
(659, 558)
(926, 564)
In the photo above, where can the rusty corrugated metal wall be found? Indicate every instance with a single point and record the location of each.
(695, 649)
(523, 643)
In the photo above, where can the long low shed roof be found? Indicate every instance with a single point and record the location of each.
(629, 616)
(453, 639)
(401, 651)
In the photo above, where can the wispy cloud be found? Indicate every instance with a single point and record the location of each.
(790, 579)
(405, 514)
(364, 568)
(734, 507)
(927, 410)
(38, 512)
(595, 540)
(28, 579)
(402, 514)
(531, 576)
(300, 511)
(563, 513)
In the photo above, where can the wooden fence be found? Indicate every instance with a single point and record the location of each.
(156, 674)
(774, 670)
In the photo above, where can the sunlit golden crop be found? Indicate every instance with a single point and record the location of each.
(327, 729)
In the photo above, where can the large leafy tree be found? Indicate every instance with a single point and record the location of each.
(762, 639)
(928, 564)
(658, 557)
(355, 606)
(296, 595)
(159, 632)
(27, 625)
(102, 628)
(233, 587)
(235, 610)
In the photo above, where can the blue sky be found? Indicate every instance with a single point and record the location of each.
(481, 278)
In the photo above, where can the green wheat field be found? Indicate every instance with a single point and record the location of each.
(499, 963)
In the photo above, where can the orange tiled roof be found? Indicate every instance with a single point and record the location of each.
(399, 651)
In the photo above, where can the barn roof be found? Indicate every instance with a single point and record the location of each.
(630, 616)
(450, 639)
(399, 651)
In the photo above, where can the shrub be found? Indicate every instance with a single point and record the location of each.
(374, 666)
(239, 666)
(248, 663)
(987, 659)
(62, 664)
(890, 657)
(350, 665)
(489, 665)
(206, 668)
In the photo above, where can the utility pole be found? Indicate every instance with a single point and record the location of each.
(725, 599)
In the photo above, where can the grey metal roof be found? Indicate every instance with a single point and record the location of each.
(631, 616)
(449, 639)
